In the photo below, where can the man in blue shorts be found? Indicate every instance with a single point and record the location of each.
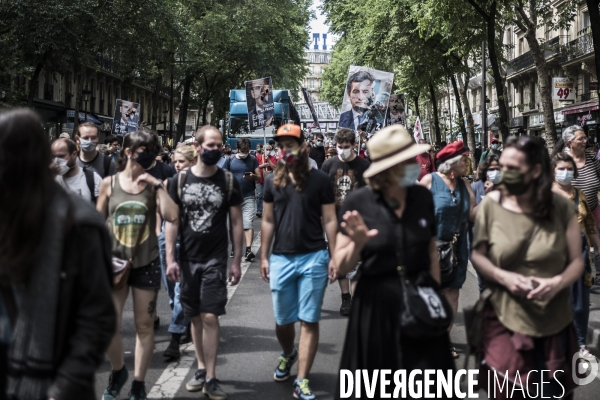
(296, 197)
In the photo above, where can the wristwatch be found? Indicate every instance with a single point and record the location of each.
(159, 185)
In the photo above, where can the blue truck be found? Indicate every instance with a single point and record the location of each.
(237, 123)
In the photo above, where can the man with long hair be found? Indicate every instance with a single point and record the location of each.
(296, 197)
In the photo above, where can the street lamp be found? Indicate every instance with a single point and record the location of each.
(86, 97)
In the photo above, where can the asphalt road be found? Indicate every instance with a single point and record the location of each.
(248, 350)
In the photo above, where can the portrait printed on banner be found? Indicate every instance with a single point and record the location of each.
(396, 111)
(259, 98)
(366, 98)
(126, 117)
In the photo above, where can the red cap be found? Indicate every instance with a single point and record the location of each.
(494, 140)
(289, 130)
(452, 150)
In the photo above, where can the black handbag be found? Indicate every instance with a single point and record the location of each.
(447, 251)
(424, 311)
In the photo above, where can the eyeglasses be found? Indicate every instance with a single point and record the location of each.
(454, 199)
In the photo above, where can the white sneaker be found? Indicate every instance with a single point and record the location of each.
(585, 354)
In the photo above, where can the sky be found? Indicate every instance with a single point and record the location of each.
(318, 25)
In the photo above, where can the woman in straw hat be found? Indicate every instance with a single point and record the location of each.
(389, 218)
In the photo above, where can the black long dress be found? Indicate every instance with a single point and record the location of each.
(374, 339)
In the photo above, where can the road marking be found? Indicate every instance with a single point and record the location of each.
(170, 381)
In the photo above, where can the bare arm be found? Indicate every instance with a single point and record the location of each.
(434, 266)
(426, 181)
(330, 223)
(267, 231)
(102, 201)
(235, 218)
(171, 231)
(348, 247)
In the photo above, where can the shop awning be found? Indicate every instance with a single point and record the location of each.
(580, 108)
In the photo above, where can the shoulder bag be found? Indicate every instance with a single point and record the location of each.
(424, 311)
(447, 251)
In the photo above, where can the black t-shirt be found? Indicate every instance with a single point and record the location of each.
(418, 225)
(161, 171)
(318, 154)
(203, 211)
(345, 176)
(298, 227)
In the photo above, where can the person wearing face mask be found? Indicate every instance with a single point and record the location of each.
(565, 171)
(454, 203)
(493, 150)
(317, 152)
(528, 248)
(488, 176)
(299, 210)
(244, 167)
(82, 181)
(346, 173)
(391, 217)
(130, 202)
(86, 137)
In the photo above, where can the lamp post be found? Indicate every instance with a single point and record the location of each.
(86, 97)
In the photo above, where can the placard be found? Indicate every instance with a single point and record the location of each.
(127, 115)
(563, 89)
(396, 112)
(259, 98)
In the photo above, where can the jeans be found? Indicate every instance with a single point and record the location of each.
(259, 197)
(179, 322)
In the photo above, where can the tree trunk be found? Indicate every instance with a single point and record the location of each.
(81, 80)
(183, 107)
(461, 119)
(155, 102)
(498, 79)
(416, 99)
(435, 113)
(468, 114)
(544, 87)
(595, 26)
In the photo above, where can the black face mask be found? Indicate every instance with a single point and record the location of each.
(145, 159)
(210, 157)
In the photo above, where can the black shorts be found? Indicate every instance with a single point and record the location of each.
(203, 287)
(147, 277)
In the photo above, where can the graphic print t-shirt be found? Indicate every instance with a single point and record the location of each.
(297, 214)
(203, 214)
(345, 176)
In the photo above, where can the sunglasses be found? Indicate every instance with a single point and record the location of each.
(454, 199)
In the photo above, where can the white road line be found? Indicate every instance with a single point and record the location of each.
(170, 381)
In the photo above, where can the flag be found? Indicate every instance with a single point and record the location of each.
(418, 131)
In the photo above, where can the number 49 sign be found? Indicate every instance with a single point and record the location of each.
(563, 89)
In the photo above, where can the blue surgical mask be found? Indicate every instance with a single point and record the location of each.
(495, 146)
(564, 176)
(411, 174)
(319, 144)
(494, 176)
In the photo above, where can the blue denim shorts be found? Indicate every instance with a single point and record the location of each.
(298, 283)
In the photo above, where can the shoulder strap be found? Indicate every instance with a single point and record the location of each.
(8, 298)
(180, 182)
(107, 161)
(229, 183)
(89, 179)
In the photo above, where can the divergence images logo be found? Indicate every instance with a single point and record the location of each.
(584, 370)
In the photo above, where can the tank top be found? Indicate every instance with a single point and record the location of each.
(126, 213)
(447, 211)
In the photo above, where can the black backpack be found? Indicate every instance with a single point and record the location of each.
(89, 179)
(107, 161)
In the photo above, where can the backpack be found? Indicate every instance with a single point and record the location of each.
(107, 161)
(89, 179)
(181, 178)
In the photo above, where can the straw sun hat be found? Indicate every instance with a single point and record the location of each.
(390, 146)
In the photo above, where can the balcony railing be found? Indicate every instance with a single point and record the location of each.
(579, 47)
(550, 48)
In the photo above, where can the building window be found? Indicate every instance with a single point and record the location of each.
(312, 58)
(312, 83)
(521, 46)
(322, 59)
(312, 70)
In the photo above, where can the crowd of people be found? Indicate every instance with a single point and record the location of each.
(385, 218)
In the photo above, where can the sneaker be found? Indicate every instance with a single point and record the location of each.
(197, 383)
(138, 391)
(585, 354)
(346, 305)
(156, 322)
(302, 391)
(282, 372)
(172, 350)
(213, 390)
(116, 381)
(249, 255)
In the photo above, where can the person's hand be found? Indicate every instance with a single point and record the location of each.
(149, 179)
(356, 228)
(250, 177)
(173, 271)
(54, 167)
(235, 274)
(264, 270)
(488, 186)
(546, 288)
(517, 284)
(332, 271)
